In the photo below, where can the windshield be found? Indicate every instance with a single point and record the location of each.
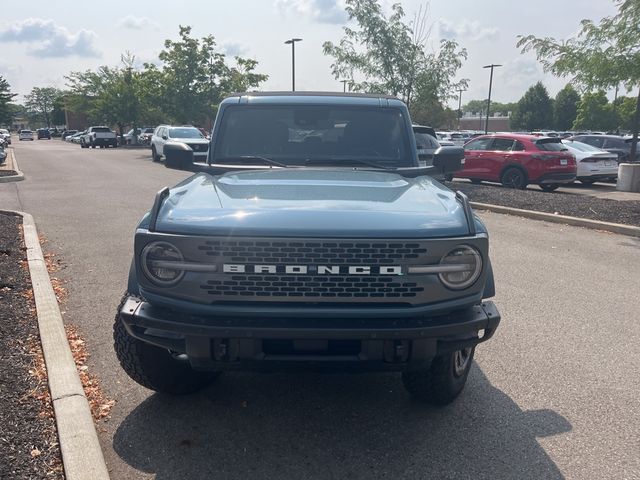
(184, 132)
(550, 145)
(583, 147)
(304, 134)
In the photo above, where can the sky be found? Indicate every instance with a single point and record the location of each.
(42, 44)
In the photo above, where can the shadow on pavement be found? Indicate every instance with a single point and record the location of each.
(335, 426)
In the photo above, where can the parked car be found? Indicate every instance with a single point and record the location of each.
(43, 133)
(76, 137)
(186, 134)
(518, 160)
(98, 137)
(5, 135)
(127, 138)
(611, 143)
(593, 163)
(3, 154)
(314, 243)
(25, 135)
(67, 133)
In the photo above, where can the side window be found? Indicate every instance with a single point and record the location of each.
(593, 141)
(518, 146)
(614, 143)
(479, 144)
(502, 144)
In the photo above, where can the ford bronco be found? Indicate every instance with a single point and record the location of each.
(313, 238)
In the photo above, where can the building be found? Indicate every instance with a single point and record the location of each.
(475, 121)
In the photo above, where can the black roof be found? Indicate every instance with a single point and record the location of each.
(289, 93)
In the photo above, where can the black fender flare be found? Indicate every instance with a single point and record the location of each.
(132, 284)
(489, 284)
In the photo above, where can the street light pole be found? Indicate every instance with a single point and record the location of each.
(460, 105)
(344, 85)
(292, 42)
(486, 124)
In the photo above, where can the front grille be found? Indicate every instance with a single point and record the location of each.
(199, 147)
(300, 252)
(333, 286)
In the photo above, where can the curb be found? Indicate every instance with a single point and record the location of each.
(549, 217)
(13, 178)
(81, 453)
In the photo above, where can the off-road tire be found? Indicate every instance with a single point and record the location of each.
(438, 385)
(153, 367)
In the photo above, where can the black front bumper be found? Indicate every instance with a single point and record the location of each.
(232, 343)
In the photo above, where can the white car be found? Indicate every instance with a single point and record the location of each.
(187, 134)
(6, 135)
(25, 135)
(593, 163)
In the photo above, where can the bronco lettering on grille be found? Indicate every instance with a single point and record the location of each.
(314, 269)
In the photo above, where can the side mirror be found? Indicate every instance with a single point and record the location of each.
(448, 159)
(164, 137)
(178, 156)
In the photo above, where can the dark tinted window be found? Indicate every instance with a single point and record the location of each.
(502, 144)
(615, 143)
(296, 133)
(518, 147)
(100, 129)
(593, 141)
(425, 141)
(479, 144)
(550, 145)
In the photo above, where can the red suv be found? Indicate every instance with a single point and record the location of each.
(518, 160)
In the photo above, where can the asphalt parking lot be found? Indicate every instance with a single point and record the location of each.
(552, 395)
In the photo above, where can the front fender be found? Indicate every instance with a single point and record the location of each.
(132, 284)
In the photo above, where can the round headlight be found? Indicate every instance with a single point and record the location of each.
(463, 265)
(156, 261)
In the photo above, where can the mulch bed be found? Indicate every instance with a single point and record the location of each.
(570, 204)
(7, 173)
(28, 439)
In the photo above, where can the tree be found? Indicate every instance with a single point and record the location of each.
(108, 95)
(40, 103)
(196, 77)
(565, 108)
(389, 55)
(600, 56)
(535, 110)
(6, 108)
(595, 113)
(477, 106)
(625, 108)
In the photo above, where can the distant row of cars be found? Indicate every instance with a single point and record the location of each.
(517, 160)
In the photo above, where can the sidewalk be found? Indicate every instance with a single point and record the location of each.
(600, 190)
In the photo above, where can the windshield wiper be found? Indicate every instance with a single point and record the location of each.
(253, 157)
(345, 162)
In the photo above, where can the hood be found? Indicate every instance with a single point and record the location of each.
(189, 140)
(312, 202)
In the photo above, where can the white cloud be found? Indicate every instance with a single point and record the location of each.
(51, 39)
(521, 72)
(323, 11)
(467, 30)
(136, 23)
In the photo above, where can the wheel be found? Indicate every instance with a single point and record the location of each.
(513, 177)
(549, 187)
(587, 181)
(443, 381)
(448, 177)
(82, 144)
(154, 367)
(154, 156)
(476, 181)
